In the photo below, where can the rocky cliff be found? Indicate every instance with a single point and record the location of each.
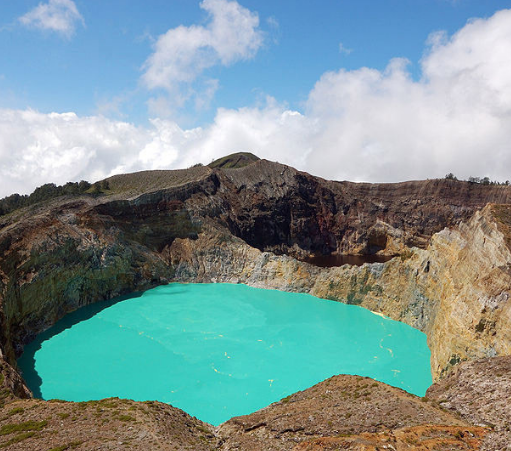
(450, 277)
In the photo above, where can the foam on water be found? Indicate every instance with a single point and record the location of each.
(220, 350)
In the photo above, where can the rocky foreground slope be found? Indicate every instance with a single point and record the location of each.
(343, 412)
(451, 279)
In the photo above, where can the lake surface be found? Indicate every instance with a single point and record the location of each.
(219, 350)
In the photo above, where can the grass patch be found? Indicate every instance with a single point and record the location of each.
(352, 299)
(21, 427)
(18, 438)
(125, 418)
(109, 403)
(286, 399)
(71, 445)
(203, 429)
(234, 161)
(148, 181)
(15, 411)
(406, 255)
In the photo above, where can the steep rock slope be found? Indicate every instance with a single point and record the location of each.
(479, 391)
(276, 208)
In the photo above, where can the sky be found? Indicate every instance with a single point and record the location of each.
(360, 90)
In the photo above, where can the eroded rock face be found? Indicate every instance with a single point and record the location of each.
(479, 392)
(346, 412)
(58, 256)
(57, 259)
(214, 225)
(276, 208)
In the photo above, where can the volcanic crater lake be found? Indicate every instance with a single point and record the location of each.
(219, 350)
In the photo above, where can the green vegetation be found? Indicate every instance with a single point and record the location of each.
(108, 403)
(203, 429)
(15, 411)
(406, 255)
(18, 438)
(125, 418)
(21, 427)
(480, 180)
(286, 399)
(352, 299)
(148, 181)
(71, 445)
(51, 191)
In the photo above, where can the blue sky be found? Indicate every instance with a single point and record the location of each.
(361, 90)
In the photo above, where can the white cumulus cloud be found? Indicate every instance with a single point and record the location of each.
(385, 126)
(183, 53)
(361, 125)
(60, 16)
(38, 148)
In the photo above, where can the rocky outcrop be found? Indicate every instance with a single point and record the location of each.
(275, 208)
(349, 412)
(55, 260)
(12, 385)
(343, 412)
(479, 391)
(58, 256)
(214, 225)
(109, 424)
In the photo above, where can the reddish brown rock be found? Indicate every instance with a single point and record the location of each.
(479, 392)
(349, 412)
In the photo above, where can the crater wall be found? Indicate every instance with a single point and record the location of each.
(451, 278)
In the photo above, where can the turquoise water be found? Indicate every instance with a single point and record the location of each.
(220, 350)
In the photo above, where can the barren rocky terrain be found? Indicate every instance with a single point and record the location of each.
(343, 412)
